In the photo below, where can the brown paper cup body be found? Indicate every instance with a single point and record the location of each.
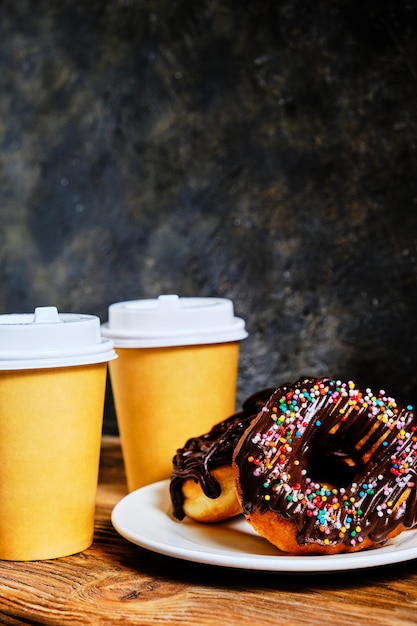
(163, 396)
(50, 434)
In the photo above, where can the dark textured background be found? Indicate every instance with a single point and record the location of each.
(260, 151)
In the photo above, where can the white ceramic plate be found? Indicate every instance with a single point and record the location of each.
(144, 518)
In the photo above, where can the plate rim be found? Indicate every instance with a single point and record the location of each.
(389, 554)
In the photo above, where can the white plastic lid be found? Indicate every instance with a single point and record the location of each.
(47, 338)
(173, 321)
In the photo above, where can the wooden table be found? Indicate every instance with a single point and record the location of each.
(116, 582)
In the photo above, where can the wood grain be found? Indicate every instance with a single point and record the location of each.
(115, 582)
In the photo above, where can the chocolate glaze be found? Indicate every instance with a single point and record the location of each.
(214, 449)
(340, 462)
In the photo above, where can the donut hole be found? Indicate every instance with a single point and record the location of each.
(325, 464)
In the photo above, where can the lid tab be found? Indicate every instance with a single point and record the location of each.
(46, 315)
(168, 303)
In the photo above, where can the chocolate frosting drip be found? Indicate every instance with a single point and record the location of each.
(200, 455)
(340, 462)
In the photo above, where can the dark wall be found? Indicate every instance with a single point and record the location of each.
(260, 151)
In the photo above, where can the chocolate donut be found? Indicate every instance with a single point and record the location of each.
(202, 484)
(327, 468)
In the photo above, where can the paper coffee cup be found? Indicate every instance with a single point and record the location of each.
(52, 387)
(175, 376)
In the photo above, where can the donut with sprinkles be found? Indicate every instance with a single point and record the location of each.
(202, 485)
(326, 467)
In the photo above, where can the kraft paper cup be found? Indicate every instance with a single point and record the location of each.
(52, 387)
(175, 376)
